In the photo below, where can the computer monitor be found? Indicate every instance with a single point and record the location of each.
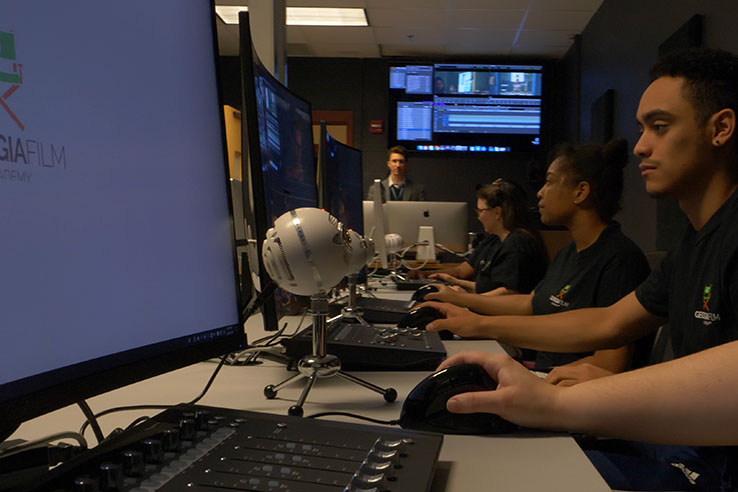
(278, 155)
(375, 222)
(340, 189)
(117, 255)
(449, 221)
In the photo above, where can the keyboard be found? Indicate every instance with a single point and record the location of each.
(371, 348)
(206, 449)
(383, 311)
(414, 283)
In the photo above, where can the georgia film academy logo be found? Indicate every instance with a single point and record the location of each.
(706, 316)
(558, 299)
(7, 52)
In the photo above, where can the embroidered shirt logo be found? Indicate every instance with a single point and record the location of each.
(558, 299)
(14, 77)
(705, 315)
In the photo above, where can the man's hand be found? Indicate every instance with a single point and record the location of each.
(570, 375)
(445, 294)
(520, 397)
(456, 319)
(413, 274)
(444, 277)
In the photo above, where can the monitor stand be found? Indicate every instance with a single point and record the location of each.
(319, 364)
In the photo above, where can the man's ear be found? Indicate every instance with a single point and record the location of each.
(722, 126)
(581, 192)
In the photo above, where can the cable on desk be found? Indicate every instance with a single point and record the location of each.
(156, 407)
(92, 420)
(353, 416)
(43, 442)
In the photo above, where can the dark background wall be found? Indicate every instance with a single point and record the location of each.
(614, 52)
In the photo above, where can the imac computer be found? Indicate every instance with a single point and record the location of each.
(278, 159)
(117, 258)
(449, 221)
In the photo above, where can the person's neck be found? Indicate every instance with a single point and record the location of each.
(705, 200)
(585, 229)
(502, 234)
(395, 180)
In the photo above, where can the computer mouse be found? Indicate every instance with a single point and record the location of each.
(425, 406)
(420, 317)
(419, 295)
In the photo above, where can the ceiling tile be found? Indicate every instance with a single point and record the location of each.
(545, 38)
(345, 50)
(324, 3)
(406, 4)
(337, 35)
(296, 34)
(480, 37)
(476, 19)
(429, 18)
(590, 5)
(489, 4)
(399, 36)
(404, 50)
(557, 19)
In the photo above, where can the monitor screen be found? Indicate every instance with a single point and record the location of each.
(277, 131)
(117, 255)
(456, 107)
(340, 186)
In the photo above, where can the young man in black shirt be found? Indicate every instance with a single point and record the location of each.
(688, 151)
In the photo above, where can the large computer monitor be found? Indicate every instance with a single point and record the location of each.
(340, 189)
(449, 221)
(278, 157)
(117, 255)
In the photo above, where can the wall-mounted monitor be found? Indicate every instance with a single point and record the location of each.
(467, 107)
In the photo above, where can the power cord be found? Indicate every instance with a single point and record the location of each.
(353, 416)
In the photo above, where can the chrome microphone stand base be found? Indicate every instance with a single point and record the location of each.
(319, 364)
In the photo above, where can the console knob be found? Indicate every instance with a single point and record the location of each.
(378, 456)
(201, 419)
(186, 429)
(374, 468)
(170, 440)
(152, 451)
(396, 445)
(369, 482)
(111, 477)
(132, 463)
(85, 484)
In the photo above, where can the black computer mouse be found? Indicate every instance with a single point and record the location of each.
(425, 406)
(419, 295)
(420, 317)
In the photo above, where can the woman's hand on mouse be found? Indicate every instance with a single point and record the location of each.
(445, 293)
(458, 320)
(520, 397)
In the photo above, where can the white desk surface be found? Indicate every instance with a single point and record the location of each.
(518, 462)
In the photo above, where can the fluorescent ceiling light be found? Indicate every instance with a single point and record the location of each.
(229, 13)
(304, 16)
(318, 16)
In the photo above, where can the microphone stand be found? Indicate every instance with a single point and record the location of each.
(320, 364)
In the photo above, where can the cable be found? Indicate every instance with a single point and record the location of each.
(43, 441)
(353, 416)
(155, 407)
(92, 420)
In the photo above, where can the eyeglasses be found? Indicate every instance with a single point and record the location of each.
(480, 210)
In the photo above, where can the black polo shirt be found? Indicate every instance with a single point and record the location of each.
(597, 276)
(696, 284)
(517, 263)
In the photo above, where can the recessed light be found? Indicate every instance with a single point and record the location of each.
(304, 16)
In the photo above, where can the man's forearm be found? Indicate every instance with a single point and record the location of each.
(691, 401)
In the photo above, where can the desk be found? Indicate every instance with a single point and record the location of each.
(521, 462)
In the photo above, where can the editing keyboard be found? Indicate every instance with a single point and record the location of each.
(413, 283)
(387, 311)
(207, 449)
(372, 348)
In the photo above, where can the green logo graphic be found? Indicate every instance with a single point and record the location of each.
(706, 295)
(7, 52)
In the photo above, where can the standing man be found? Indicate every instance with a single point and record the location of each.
(398, 186)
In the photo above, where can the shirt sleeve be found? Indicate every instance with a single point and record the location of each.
(653, 294)
(516, 267)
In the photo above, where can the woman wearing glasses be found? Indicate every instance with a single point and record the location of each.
(511, 259)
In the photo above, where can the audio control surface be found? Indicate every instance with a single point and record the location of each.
(374, 348)
(208, 449)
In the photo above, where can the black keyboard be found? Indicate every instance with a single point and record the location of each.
(206, 449)
(371, 348)
(413, 283)
(386, 311)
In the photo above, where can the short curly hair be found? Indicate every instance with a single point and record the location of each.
(710, 79)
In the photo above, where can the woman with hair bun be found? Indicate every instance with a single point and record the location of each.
(601, 265)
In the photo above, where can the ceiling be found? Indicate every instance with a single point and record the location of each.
(435, 28)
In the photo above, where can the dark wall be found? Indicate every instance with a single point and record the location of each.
(617, 48)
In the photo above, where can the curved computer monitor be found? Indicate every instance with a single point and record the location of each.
(340, 185)
(278, 157)
(448, 219)
(117, 255)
